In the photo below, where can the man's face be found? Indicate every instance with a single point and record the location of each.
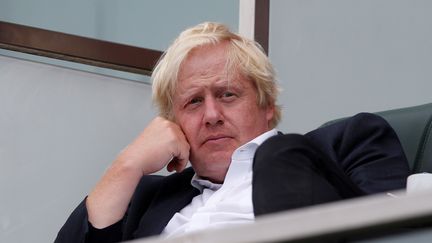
(217, 112)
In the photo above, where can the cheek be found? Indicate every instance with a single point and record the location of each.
(188, 131)
(255, 120)
(189, 128)
(247, 115)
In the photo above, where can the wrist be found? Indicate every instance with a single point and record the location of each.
(128, 167)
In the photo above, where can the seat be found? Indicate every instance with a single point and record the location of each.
(413, 125)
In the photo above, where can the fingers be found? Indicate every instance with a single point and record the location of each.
(162, 143)
(177, 165)
(155, 147)
(181, 158)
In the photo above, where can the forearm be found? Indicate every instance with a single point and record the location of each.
(108, 201)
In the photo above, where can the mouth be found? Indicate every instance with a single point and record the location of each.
(216, 139)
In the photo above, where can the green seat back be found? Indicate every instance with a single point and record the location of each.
(413, 125)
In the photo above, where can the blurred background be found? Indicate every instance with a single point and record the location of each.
(62, 123)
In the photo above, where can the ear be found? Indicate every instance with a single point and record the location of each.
(270, 113)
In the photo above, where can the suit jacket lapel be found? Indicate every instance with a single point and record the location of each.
(174, 194)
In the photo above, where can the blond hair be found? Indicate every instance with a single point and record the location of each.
(243, 55)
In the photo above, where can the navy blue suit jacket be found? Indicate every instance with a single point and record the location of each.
(365, 147)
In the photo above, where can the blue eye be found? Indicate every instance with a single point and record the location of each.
(227, 94)
(195, 100)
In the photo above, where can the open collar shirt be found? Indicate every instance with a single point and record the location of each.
(221, 205)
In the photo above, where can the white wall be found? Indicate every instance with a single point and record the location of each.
(338, 57)
(59, 130)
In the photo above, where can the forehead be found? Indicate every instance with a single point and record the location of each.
(204, 61)
(208, 66)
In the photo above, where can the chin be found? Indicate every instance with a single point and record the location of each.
(211, 159)
(211, 166)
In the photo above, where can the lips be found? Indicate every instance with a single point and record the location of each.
(216, 138)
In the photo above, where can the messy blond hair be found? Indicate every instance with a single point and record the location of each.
(243, 55)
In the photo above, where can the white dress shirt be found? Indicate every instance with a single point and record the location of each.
(221, 205)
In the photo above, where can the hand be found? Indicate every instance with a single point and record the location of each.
(162, 143)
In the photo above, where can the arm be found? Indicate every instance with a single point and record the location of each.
(153, 149)
(367, 149)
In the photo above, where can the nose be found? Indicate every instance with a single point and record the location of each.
(212, 113)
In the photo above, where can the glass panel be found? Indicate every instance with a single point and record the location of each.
(147, 24)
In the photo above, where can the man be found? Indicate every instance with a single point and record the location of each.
(217, 99)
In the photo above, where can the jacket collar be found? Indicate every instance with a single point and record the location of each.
(174, 194)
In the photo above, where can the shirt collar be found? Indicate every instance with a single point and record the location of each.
(242, 153)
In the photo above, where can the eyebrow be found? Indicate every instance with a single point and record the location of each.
(230, 83)
(218, 85)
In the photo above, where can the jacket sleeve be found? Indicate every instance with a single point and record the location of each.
(77, 229)
(367, 149)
